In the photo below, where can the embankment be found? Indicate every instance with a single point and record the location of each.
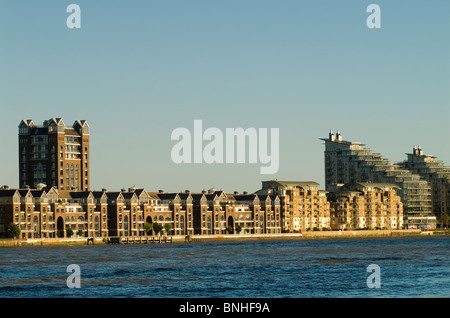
(231, 237)
(360, 233)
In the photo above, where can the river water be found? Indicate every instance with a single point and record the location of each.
(411, 267)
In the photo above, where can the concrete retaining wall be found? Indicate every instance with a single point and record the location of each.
(361, 233)
(199, 238)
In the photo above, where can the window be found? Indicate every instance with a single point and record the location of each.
(67, 175)
(76, 176)
(72, 182)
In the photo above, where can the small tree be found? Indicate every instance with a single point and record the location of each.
(12, 231)
(238, 228)
(148, 227)
(69, 232)
(80, 233)
(168, 227)
(229, 229)
(157, 228)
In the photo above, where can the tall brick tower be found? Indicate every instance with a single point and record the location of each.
(54, 154)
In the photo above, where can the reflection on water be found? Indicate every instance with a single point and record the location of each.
(410, 267)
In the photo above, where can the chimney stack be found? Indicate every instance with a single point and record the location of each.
(331, 136)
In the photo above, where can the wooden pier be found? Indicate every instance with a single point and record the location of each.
(140, 239)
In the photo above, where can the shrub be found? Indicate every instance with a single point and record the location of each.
(69, 232)
(12, 231)
(157, 228)
(168, 227)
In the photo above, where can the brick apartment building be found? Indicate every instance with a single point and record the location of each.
(366, 206)
(303, 205)
(54, 154)
(51, 212)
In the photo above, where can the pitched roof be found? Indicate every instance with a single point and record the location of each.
(197, 197)
(263, 197)
(99, 194)
(37, 193)
(23, 192)
(128, 195)
(114, 195)
(139, 192)
(184, 196)
(80, 123)
(71, 131)
(8, 192)
(211, 196)
(168, 196)
(153, 196)
(55, 121)
(64, 194)
(246, 197)
(80, 194)
(26, 122)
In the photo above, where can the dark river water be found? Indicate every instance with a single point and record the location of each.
(331, 268)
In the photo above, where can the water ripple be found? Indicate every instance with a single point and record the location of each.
(410, 267)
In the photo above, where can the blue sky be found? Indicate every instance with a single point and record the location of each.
(136, 70)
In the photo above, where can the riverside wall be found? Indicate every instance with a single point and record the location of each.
(231, 237)
(361, 233)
